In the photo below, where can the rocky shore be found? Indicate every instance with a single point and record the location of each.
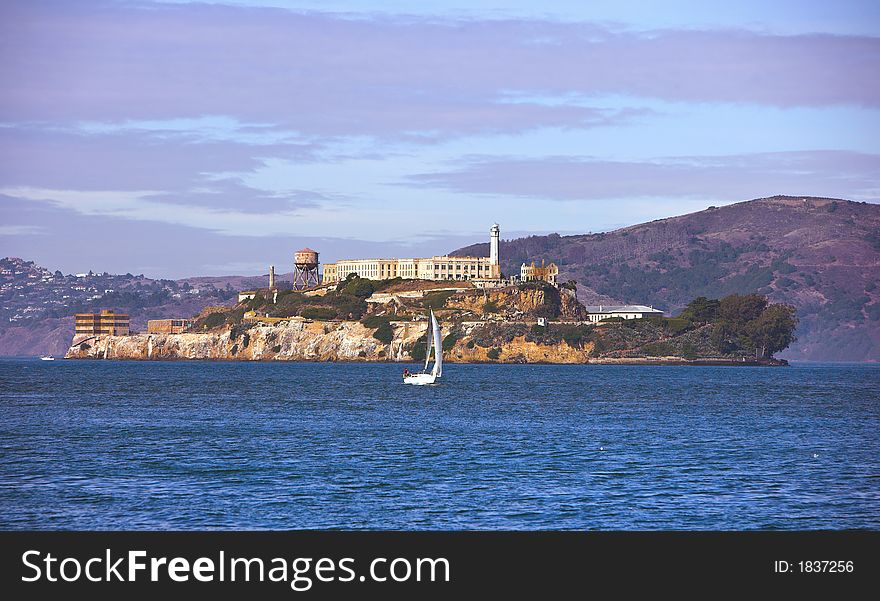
(348, 341)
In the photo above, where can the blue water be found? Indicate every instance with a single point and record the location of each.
(128, 445)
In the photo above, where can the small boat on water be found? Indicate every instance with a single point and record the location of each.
(47, 358)
(435, 342)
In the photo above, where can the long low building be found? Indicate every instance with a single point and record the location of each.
(433, 268)
(168, 326)
(600, 312)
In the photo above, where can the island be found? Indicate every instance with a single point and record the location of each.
(360, 319)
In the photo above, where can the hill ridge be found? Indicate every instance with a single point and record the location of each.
(820, 254)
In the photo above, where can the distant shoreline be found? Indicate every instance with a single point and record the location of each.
(676, 361)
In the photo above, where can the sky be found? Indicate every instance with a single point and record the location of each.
(175, 138)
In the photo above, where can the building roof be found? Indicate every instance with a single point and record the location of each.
(622, 309)
(306, 250)
(104, 313)
(389, 259)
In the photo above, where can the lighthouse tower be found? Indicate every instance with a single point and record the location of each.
(273, 289)
(494, 238)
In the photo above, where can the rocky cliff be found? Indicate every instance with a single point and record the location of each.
(317, 341)
(290, 341)
(464, 342)
(525, 300)
(478, 325)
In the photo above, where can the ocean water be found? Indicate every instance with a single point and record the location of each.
(132, 445)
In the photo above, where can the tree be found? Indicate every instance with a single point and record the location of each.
(740, 309)
(418, 351)
(773, 330)
(318, 313)
(384, 333)
(356, 286)
(701, 309)
(490, 307)
(449, 341)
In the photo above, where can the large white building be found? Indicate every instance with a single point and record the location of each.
(434, 268)
(600, 312)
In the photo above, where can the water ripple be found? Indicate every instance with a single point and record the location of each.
(110, 445)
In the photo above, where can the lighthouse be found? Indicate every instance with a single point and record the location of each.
(494, 238)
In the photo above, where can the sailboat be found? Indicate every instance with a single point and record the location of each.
(433, 341)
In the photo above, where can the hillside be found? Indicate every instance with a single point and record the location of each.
(820, 254)
(37, 305)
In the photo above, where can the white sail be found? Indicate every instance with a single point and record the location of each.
(428, 348)
(435, 341)
(438, 348)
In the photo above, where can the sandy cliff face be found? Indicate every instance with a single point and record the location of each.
(347, 341)
(519, 350)
(310, 341)
(521, 300)
(292, 341)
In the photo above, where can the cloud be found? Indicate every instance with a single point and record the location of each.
(230, 194)
(831, 173)
(127, 160)
(230, 208)
(320, 74)
(135, 171)
(22, 230)
(194, 135)
(110, 243)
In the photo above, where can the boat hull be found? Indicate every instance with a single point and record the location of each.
(420, 379)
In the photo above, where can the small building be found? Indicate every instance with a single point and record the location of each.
(484, 283)
(106, 322)
(600, 312)
(266, 319)
(168, 326)
(533, 273)
(268, 294)
(271, 292)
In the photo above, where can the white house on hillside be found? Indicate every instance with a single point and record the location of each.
(600, 312)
